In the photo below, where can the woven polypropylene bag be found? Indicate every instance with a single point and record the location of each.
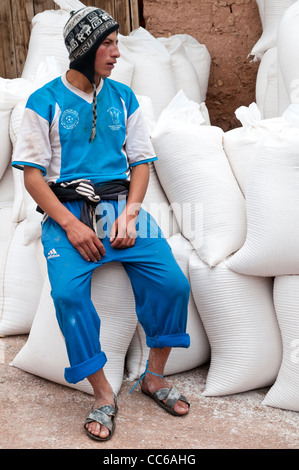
(272, 195)
(44, 353)
(239, 317)
(266, 89)
(198, 181)
(241, 144)
(152, 68)
(284, 393)
(20, 282)
(273, 11)
(288, 55)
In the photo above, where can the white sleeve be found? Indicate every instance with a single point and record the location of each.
(33, 146)
(139, 148)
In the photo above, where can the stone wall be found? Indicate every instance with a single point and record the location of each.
(229, 29)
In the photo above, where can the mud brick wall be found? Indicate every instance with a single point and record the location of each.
(229, 30)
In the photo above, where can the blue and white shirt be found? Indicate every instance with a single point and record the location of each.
(56, 126)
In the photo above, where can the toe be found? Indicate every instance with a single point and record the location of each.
(97, 430)
(104, 432)
(181, 407)
(93, 428)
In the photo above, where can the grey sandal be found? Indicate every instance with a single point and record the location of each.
(172, 396)
(105, 416)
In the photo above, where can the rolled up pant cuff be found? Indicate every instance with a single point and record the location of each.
(79, 372)
(181, 340)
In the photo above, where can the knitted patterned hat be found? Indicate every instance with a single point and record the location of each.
(83, 33)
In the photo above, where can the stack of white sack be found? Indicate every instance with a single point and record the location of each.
(46, 49)
(270, 93)
(237, 311)
(19, 271)
(269, 179)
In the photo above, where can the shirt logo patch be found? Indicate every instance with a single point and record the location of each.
(69, 119)
(114, 114)
(52, 254)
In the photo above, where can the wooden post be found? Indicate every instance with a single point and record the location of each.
(134, 14)
(122, 16)
(8, 67)
(22, 13)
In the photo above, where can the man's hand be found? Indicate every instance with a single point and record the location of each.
(85, 241)
(123, 232)
(80, 236)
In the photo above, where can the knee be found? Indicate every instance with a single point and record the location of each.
(65, 298)
(179, 286)
(184, 287)
(71, 310)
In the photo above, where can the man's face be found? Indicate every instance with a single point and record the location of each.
(106, 56)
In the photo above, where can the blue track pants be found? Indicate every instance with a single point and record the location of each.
(160, 288)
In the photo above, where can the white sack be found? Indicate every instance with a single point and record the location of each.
(6, 148)
(11, 92)
(261, 8)
(156, 203)
(241, 144)
(147, 108)
(200, 58)
(272, 195)
(284, 100)
(19, 211)
(44, 353)
(124, 68)
(152, 68)
(185, 76)
(180, 359)
(198, 181)
(7, 188)
(46, 40)
(5, 237)
(273, 12)
(267, 85)
(24, 207)
(5, 233)
(20, 284)
(41, 260)
(288, 53)
(284, 392)
(69, 5)
(238, 315)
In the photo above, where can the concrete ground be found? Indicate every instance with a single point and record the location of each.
(38, 414)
